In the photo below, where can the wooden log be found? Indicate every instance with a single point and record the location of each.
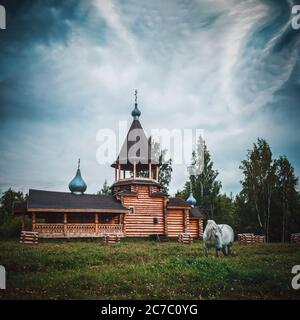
(260, 239)
(33, 221)
(28, 237)
(111, 239)
(165, 214)
(185, 238)
(295, 238)
(146, 210)
(65, 222)
(30, 232)
(194, 228)
(246, 238)
(97, 222)
(250, 238)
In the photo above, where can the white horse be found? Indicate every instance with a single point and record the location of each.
(220, 236)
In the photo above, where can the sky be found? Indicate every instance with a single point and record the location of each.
(69, 69)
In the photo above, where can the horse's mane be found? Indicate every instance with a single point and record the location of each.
(211, 228)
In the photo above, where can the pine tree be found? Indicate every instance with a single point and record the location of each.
(6, 204)
(105, 190)
(287, 193)
(165, 171)
(259, 182)
(268, 198)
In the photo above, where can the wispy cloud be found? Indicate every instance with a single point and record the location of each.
(224, 66)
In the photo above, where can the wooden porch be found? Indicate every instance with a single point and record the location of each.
(67, 225)
(87, 230)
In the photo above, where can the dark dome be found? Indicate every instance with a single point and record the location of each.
(136, 112)
(77, 185)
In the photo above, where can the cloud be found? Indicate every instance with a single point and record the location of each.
(228, 67)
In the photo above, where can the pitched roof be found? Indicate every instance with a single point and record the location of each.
(177, 202)
(63, 200)
(136, 148)
(196, 213)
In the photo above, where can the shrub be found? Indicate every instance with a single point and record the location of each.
(12, 227)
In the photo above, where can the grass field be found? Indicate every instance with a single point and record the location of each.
(142, 269)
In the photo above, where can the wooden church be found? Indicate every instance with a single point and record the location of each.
(137, 207)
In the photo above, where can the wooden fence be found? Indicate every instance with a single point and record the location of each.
(250, 238)
(185, 238)
(29, 237)
(295, 237)
(111, 238)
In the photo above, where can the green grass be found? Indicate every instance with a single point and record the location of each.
(142, 269)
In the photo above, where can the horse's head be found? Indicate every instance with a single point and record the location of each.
(218, 237)
(214, 232)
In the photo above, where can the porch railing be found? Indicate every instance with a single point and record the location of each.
(49, 228)
(78, 228)
(110, 228)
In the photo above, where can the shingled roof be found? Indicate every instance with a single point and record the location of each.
(196, 213)
(177, 202)
(63, 200)
(136, 148)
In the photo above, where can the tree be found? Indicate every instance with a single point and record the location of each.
(286, 191)
(259, 182)
(268, 202)
(225, 210)
(203, 179)
(165, 171)
(6, 204)
(245, 216)
(105, 190)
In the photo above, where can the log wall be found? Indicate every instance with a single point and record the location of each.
(175, 222)
(194, 228)
(201, 227)
(148, 213)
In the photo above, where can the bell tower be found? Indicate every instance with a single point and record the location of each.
(136, 182)
(137, 162)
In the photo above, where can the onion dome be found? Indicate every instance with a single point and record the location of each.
(77, 185)
(136, 111)
(191, 200)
